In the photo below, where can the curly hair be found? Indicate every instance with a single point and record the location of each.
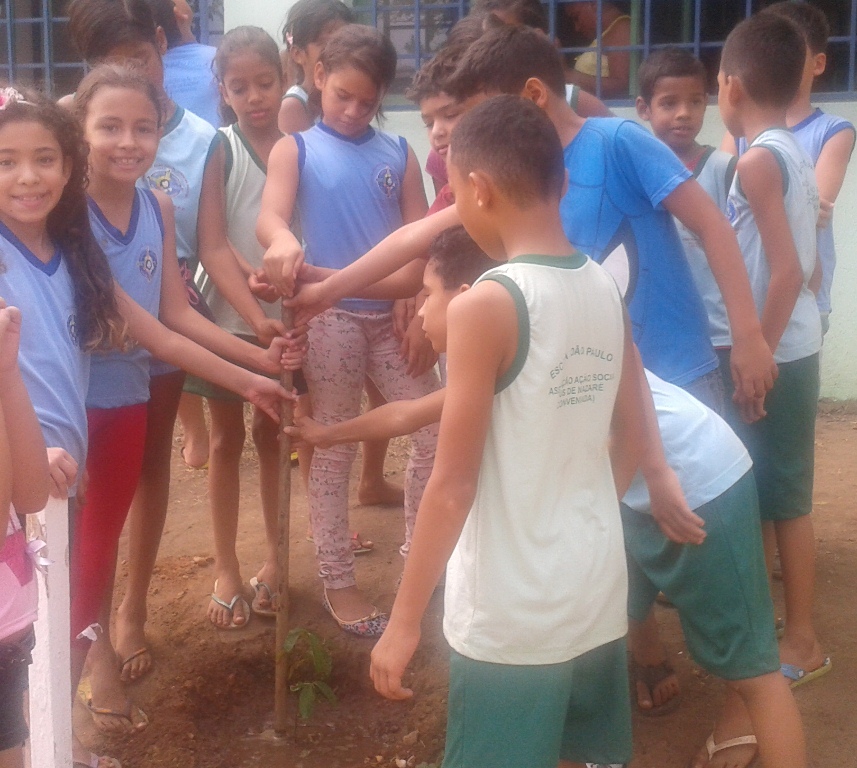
(100, 323)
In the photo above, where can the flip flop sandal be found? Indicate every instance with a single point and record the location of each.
(712, 749)
(359, 546)
(140, 725)
(136, 655)
(230, 606)
(97, 761)
(372, 625)
(272, 598)
(651, 677)
(797, 676)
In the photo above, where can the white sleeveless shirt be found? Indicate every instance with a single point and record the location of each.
(538, 575)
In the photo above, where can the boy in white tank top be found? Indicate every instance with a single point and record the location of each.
(540, 366)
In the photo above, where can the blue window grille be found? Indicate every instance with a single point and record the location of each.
(419, 27)
(35, 50)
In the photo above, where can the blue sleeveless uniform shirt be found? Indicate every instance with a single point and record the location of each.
(619, 175)
(136, 261)
(349, 197)
(53, 366)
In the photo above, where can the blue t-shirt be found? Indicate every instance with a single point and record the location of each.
(53, 366)
(619, 175)
(136, 260)
(349, 196)
(190, 82)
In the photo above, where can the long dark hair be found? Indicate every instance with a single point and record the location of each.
(99, 322)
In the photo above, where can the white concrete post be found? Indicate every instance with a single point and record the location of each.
(50, 676)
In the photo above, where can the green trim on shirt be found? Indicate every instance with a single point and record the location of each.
(574, 261)
(523, 330)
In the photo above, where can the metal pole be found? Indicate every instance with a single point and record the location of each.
(281, 678)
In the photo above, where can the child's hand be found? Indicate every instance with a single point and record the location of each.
(751, 409)
(294, 353)
(753, 368)
(674, 517)
(416, 349)
(825, 214)
(272, 356)
(267, 330)
(63, 472)
(404, 311)
(307, 431)
(310, 300)
(267, 395)
(282, 262)
(390, 657)
(10, 337)
(261, 288)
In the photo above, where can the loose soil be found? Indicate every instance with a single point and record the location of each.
(210, 697)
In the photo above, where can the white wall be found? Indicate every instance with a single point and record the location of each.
(839, 360)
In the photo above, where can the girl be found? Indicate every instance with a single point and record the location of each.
(368, 183)
(247, 65)
(23, 490)
(120, 114)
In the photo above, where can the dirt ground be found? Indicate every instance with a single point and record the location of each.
(210, 697)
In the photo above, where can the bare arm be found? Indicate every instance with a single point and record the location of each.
(729, 144)
(284, 254)
(293, 116)
(753, 368)
(481, 345)
(830, 171)
(217, 255)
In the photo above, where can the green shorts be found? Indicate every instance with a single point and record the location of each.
(720, 587)
(505, 716)
(782, 445)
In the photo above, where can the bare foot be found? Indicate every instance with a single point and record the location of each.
(349, 604)
(111, 709)
(380, 493)
(195, 455)
(135, 659)
(804, 652)
(227, 587)
(658, 688)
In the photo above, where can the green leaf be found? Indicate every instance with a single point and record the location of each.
(306, 702)
(321, 660)
(292, 639)
(325, 690)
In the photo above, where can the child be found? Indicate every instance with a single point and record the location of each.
(827, 139)
(247, 66)
(773, 206)
(127, 32)
(309, 26)
(673, 98)
(24, 483)
(55, 270)
(551, 606)
(369, 183)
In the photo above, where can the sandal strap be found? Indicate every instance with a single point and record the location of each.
(230, 606)
(738, 741)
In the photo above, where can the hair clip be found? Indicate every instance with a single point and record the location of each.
(289, 39)
(11, 96)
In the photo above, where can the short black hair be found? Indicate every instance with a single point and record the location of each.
(98, 26)
(810, 20)
(457, 259)
(530, 13)
(668, 62)
(164, 13)
(512, 141)
(767, 52)
(366, 49)
(503, 59)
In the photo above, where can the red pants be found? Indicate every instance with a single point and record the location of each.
(114, 462)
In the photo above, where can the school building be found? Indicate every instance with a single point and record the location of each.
(34, 50)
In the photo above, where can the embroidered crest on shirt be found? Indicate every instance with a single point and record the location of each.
(168, 180)
(147, 263)
(387, 181)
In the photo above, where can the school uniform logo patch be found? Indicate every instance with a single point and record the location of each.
(71, 324)
(168, 180)
(147, 263)
(387, 181)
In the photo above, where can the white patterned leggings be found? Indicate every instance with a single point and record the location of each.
(345, 347)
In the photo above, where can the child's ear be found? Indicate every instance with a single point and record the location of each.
(482, 188)
(319, 76)
(643, 110)
(464, 287)
(536, 91)
(819, 64)
(161, 40)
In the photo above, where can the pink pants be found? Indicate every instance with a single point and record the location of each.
(345, 347)
(114, 463)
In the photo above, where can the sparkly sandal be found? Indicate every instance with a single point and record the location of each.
(372, 625)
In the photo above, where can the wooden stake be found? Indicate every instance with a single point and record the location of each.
(281, 679)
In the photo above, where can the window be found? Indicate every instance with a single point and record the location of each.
(35, 50)
(419, 27)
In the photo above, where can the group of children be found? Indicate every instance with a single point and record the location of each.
(570, 485)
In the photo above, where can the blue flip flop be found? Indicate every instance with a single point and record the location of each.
(797, 676)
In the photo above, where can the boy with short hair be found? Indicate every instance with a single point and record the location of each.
(673, 99)
(536, 584)
(773, 206)
(827, 139)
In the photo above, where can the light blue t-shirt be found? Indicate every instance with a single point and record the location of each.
(189, 80)
(619, 175)
(349, 197)
(177, 171)
(136, 260)
(700, 447)
(54, 368)
(812, 133)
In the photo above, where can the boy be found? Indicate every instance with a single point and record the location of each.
(773, 206)
(719, 588)
(673, 98)
(827, 139)
(535, 586)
